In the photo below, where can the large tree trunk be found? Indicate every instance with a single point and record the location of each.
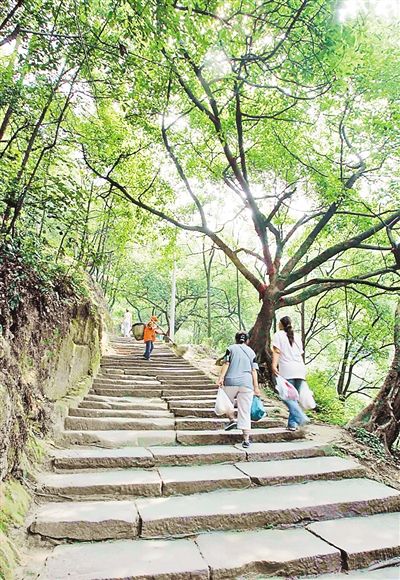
(382, 416)
(260, 340)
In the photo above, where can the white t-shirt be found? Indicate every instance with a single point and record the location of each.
(291, 364)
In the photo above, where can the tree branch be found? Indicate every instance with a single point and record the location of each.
(333, 250)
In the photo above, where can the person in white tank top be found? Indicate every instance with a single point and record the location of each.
(287, 361)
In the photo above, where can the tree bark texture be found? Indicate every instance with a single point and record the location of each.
(382, 416)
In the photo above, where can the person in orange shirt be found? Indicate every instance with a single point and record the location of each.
(149, 336)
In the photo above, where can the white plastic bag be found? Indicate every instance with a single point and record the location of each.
(286, 391)
(223, 404)
(306, 398)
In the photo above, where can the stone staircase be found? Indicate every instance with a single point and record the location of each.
(149, 485)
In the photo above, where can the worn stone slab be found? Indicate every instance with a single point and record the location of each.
(199, 402)
(87, 520)
(234, 436)
(119, 438)
(92, 458)
(188, 384)
(155, 402)
(201, 423)
(124, 381)
(285, 450)
(187, 392)
(181, 373)
(289, 552)
(123, 392)
(185, 455)
(94, 405)
(194, 411)
(364, 540)
(126, 385)
(128, 414)
(297, 470)
(257, 507)
(197, 478)
(138, 482)
(206, 412)
(132, 403)
(121, 406)
(122, 377)
(116, 423)
(125, 559)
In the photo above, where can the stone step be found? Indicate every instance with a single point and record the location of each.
(116, 482)
(125, 378)
(192, 479)
(151, 373)
(102, 458)
(200, 454)
(197, 454)
(193, 386)
(105, 422)
(188, 385)
(180, 380)
(220, 437)
(287, 552)
(119, 406)
(138, 403)
(112, 439)
(155, 402)
(206, 412)
(141, 482)
(151, 368)
(285, 450)
(201, 423)
(226, 552)
(144, 438)
(128, 413)
(168, 393)
(127, 559)
(299, 470)
(87, 520)
(261, 553)
(122, 407)
(257, 507)
(127, 392)
(183, 375)
(203, 401)
(111, 384)
(116, 423)
(364, 540)
(92, 458)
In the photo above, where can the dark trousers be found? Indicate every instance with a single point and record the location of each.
(149, 349)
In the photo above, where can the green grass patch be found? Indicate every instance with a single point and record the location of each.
(330, 409)
(14, 501)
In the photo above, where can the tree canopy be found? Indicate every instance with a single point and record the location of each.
(253, 142)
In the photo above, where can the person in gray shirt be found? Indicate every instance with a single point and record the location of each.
(239, 380)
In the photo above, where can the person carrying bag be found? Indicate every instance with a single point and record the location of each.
(238, 380)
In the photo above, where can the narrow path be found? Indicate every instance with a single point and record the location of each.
(149, 485)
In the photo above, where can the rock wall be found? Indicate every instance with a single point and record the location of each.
(46, 355)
